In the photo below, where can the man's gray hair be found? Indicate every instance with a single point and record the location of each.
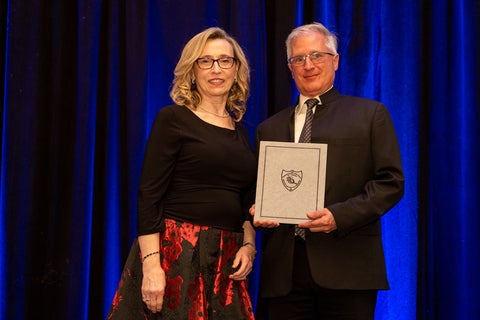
(332, 42)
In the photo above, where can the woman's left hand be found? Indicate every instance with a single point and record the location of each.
(244, 262)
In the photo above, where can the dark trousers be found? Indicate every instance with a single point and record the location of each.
(308, 301)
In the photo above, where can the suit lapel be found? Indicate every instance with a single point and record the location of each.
(291, 125)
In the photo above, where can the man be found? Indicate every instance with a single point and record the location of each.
(335, 270)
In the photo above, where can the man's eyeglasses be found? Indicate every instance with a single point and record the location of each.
(316, 57)
(224, 62)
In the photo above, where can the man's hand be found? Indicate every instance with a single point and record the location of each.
(320, 221)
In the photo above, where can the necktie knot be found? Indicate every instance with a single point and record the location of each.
(311, 103)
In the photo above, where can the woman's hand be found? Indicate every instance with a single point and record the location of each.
(262, 223)
(243, 261)
(153, 284)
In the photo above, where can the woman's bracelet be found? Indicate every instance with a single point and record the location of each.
(251, 245)
(150, 254)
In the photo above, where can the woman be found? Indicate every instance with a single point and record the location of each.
(196, 244)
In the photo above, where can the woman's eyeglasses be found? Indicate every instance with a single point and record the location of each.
(224, 62)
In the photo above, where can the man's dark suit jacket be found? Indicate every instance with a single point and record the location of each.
(364, 179)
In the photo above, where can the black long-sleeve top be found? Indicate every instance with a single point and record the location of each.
(196, 172)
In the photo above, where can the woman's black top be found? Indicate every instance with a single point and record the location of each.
(195, 171)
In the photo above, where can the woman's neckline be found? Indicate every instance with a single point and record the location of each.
(213, 123)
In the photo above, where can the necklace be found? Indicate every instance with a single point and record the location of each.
(216, 114)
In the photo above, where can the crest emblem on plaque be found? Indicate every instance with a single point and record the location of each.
(291, 179)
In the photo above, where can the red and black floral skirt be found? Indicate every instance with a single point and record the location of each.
(197, 261)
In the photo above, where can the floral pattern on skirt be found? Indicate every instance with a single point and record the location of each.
(197, 261)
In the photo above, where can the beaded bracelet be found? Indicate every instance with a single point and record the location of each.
(150, 254)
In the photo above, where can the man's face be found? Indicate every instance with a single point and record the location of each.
(313, 79)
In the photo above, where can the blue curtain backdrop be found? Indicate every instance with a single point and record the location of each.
(81, 82)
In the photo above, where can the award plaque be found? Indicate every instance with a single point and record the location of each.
(290, 181)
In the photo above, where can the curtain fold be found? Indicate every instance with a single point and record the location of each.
(453, 156)
(82, 81)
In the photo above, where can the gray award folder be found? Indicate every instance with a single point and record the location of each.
(290, 181)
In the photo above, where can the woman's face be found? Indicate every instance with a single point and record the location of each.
(215, 82)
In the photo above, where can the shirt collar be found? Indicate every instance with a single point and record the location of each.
(301, 107)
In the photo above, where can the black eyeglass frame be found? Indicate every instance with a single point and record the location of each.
(231, 60)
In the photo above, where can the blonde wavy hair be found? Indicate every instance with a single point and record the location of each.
(184, 91)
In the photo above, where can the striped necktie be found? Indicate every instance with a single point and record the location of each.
(307, 127)
(305, 136)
